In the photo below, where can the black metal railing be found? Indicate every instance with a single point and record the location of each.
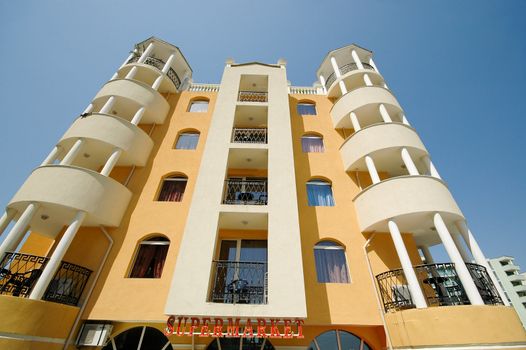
(244, 135)
(439, 283)
(245, 192)
(68, 284)
(239, 282)
(159, 64)
(346, 68)
(252, 96)
(19, 273)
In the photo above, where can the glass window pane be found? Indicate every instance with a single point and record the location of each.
(349, 341)
(228, 250)
(253, 250)
(187, 141)
(199, 106)
(149, 262)
(306, 109)
(331, 265)
(172, 190)
(327, 341)
(319, 194)
(312, 144)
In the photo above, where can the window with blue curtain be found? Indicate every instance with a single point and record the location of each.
(331, 265)
(306, 108)
(319, 194)
(198, 106)
(312, 144)
(187, 140)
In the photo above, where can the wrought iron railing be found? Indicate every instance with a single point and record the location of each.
(68, 284)
(20, 272)
(346, 68)
(159, 64)
(245, 192)
(244, 135)
(439, 283)
(252, 96)
(239, 282)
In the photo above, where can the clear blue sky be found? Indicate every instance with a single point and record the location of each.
(457, 67)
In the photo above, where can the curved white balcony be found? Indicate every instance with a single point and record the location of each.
(62, 191)
(137, 94)
(377, 137)
(105, 132)
(410, 200)
(354, 79)
(358, 98)
(149, 71)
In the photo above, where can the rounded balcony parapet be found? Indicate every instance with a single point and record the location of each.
(158, 65)
(351, 76)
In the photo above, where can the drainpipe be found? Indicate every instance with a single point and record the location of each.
(81, 311)
(378, 302)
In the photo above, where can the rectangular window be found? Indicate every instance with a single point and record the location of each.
(187, 141)
(306, 109)
(172, 190)
(312, 144)
(199, 106)
(319, 194)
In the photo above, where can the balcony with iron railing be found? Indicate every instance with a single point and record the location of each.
(240, 282)
(346, 68)
(252, 96)
(249, 135)
(440, 285)
(20, 272)
(159, 64)
(245, 192)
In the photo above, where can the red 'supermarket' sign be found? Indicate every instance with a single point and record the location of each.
(234, 327)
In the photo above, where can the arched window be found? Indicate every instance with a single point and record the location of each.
(319, 193)
(306, 108)
(172, 189)
(150, 257)
(246, 344)
(338, 340)
(187, 140)
(331, 265)
(199, 106)
(137, 338)
(311, 143)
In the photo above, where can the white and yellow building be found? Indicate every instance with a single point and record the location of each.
(249, 214)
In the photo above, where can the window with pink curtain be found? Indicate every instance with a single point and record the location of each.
(312, 143)
(331, 264)
(150, 258)
(173, 189)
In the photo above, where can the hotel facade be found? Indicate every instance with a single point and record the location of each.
(249, 214)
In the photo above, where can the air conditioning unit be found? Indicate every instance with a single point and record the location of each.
(94, 334)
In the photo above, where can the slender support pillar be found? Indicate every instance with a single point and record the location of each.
(385, 115)
(409, 272)
(343, 88)
(112, 160)
(131, 73)
(367, 80)
(73, 152)
(479, 257)
(132, 54)
(322, 81)
(432, 170)
(371, 62)
(404, 120)
(106, 109)
(335, 67)
(168, 63)
(458, 243)
(158, 82)
(146, 53)
(408, 162)
(427, 254)
(18, 230)
(55, 260)
(462, 271)
(373, 173)
(355, 123)
(138, 116)
(52, 156)
(357, 59)
(5, 220)
(88, 109)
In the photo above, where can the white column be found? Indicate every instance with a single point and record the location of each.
(106, 109)
(88, 109)
(335, 67)
(132, 54)
(5, 220)
(55, 260)
(138, 116)
(72, 153)
(479, 257)
(355, 123)
(432, 170)
(343, 88)
(131, 73)
(462, 271)
(112, 160)
(52, 156)
(410, 275)
(356, 59)
(408, 162)
(372, 170)
(404, 120)
(146, 53)
(157, 82)
(168, 63)
(322, 81)
(385, 115)
(367, 80)
(18, 230)
(427, 254)
(371, 62)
